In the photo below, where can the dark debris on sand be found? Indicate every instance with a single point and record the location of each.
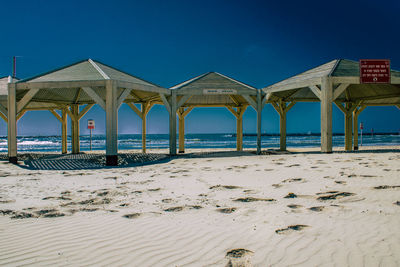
(297, 227)
(335, 195)
(226, 210)
(253, 199)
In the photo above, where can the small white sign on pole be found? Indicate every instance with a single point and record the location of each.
(90, 125)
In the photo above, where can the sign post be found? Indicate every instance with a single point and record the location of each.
(374, 71)
(361, 128)
(90, 125)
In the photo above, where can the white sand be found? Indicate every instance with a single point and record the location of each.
(358, 229)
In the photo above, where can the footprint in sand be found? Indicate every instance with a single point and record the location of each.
(317, 208)
(291, 228)
(387, 187)
(226, 210)
(239, 257)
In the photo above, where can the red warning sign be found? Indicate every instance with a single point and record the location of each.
(374, 71)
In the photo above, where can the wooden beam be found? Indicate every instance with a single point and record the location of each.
(234, 112)
(123, 95)
(166, 103)
(93, 95)
(85, 110)
(187, 111)
(265, 100)
(70, 113)
(183, 100)
(144, 120)
(3, 110)
(276, 107)
(77, 95)
(234, 100)
(316, 91)
(250, 101)
(181, 142)
(25, 100)
(340, 106)
(348, 126)
(4, 117)
(58, 117)
(398, 106)
(291, 104)
(21, 114)
(134, 108)
(339, 90)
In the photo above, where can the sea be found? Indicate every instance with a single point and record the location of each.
(161, 141)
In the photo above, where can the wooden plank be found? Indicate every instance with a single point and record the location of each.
(143, 87)
(25, 100)
(316, 91)
(4, 117)
(12, 123)
(183, 100)
(3, 110)
(122, 97)
(239, 128)
(166, 103)
(234, 112)
(276, 107)
(77, 96)
(290, 106)
(339, 90)
(234, 100)
(250, 101)
(326, 115)
(21, 114)
(58, 117)
(85, 110)
(93, 95)
(134, 108)
(187, 111)
(102, 73)
(340, 106)
(70, 113)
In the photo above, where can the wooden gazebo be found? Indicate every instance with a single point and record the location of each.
(212, 89)
(338, 82)
(86, 82)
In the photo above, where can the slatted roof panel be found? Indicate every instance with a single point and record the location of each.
(213, 80)
(87, 70)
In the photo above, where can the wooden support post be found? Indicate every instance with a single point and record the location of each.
(12, 123)
(356, 113)
(64, 126)
(239, 128)
(282, 129)
(75, 129)
(181, 130)
(172, 124)
(111, 124)
(348, 125)
(259, 111)
(326, 115)
(145, 109)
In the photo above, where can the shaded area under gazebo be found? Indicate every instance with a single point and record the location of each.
(338, 82)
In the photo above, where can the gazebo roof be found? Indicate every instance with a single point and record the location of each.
(64, 85)
(86, 70)
(214, 89)
(342, 71)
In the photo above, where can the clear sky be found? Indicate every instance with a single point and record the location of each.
(167, 42)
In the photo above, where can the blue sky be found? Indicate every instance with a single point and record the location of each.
(167, 42)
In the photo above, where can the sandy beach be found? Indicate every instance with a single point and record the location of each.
(301, 208)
